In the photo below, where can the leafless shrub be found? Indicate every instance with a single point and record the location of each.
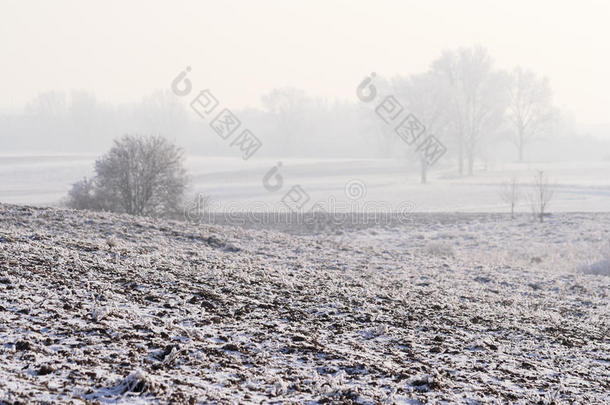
(541, 195)
(511, 194)
(82, 195)
(139, 176)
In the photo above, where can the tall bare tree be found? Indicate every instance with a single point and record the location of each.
(479, 98)
(425, 96)
(530, 110)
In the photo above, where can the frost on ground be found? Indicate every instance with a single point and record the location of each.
(459, 308)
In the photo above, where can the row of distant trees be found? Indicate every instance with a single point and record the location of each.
(461, 99)
(466, 102)
(79, 122)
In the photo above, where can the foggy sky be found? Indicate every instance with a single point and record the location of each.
(123, 50)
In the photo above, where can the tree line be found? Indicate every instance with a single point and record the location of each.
(462, 99)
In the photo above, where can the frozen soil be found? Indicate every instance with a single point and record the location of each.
(105, 308)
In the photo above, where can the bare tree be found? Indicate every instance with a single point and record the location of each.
(541, 195)
(139, 176)
(530, 110)
(82, 195)
(511, 194)
(425, 96)
(479, 98)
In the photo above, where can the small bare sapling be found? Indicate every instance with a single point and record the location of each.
(541, 195)
(511, 194)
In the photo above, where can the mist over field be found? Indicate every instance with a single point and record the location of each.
(346, 202)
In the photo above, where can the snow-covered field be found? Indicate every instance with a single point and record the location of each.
(237, 185)
(456, 308)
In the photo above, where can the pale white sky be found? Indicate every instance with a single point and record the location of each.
(122, 50)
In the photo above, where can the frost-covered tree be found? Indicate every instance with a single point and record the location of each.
(479, 97)
(140, 175)
(82, 195)
(425, 96)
